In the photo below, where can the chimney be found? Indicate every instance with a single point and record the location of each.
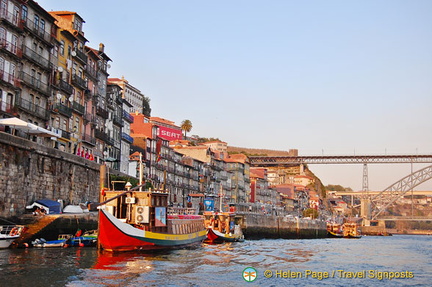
(101, 47)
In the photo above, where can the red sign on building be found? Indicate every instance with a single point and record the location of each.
(169, 134)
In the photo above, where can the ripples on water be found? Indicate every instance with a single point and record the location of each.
(222, 265)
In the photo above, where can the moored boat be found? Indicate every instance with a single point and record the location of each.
(221, 227)
(8, 233)
(334, 230)
(351, 230)
(139, 220)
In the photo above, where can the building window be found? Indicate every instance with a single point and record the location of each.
(36, 22)
(24, 13)
(62, 46)
(42, 25)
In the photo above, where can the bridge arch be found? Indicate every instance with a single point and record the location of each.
(388, 196)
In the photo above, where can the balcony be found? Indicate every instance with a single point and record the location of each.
(11, 48)
(32, 108)
(128, 117)
(100, 135)
(65, 87)
(11, 18)
(79, 55)
(89, 118)
(77, 107)
(89, 139)
(118, 120)
(36, 30)
(36, 58)
(9, 79)
(127, 137)
(8, 108)
(79, 82)
(102, 112)
(62, 109)
(35, 84)
(91, 72)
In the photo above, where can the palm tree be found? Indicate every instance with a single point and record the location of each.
(186, 126)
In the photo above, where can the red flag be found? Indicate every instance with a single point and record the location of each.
(158, 149)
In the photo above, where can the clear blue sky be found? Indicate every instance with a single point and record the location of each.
(323, 77)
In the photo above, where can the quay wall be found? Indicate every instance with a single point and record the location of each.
(30, 171)
(259, 226)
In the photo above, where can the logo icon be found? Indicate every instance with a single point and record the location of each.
(250, 274)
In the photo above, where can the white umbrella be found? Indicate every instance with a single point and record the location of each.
(30, 128)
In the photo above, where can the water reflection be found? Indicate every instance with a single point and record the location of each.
(205, 264)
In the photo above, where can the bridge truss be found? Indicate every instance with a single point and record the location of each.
(382, 200)
(388, 196)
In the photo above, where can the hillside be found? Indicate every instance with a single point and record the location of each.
(262, 152)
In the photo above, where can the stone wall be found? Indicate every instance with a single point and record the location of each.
(30, 171)
(259, 226)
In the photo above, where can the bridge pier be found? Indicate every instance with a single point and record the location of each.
(365, 208)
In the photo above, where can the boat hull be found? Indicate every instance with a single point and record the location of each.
(214, 236)
(6, 241)
(115, 235)
(331, 234)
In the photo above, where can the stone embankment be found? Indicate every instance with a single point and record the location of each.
(259, 226)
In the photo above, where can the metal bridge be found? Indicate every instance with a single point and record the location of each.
(380, 201)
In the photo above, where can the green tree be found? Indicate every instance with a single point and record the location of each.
(146, 106)
(186, 126)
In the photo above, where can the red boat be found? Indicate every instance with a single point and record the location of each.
(139, 220)
(221, 227)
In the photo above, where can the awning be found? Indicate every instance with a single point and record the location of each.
(30, 128)
(196, 195)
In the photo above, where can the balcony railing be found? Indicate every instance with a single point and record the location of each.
(64, 86)
(62, 133)
(89, 118)
(128, 117)
(100, 135)
(30, 107)
(91, 72)
(10, 47)
(8, 108)
(102, 112)
(127, 137)
(36, 58)
(77, 107)
(80, 56)
(9, 78)
(89, 139)
(11, 18)
(35, 83)
(81, 83)
(60, 108)
(36, 29)
(118, 120)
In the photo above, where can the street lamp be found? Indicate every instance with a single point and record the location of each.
(128, 185)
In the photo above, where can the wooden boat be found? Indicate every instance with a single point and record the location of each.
(351, 230)
(139, 220)
(221, 227)
(334, 230)
(8, 234)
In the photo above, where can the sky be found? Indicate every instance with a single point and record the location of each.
(324, 77)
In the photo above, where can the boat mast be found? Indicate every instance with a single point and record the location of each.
(140, 171)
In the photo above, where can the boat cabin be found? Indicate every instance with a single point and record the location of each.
(223, 222)
(146, 210)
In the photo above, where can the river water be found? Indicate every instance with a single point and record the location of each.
(369, 261)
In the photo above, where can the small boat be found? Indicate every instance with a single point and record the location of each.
(86, 239)
(331, 234)
(351, 230)
(221, 227)
(8, 233)
(334, 230)
(139, 220)
(42, 243)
